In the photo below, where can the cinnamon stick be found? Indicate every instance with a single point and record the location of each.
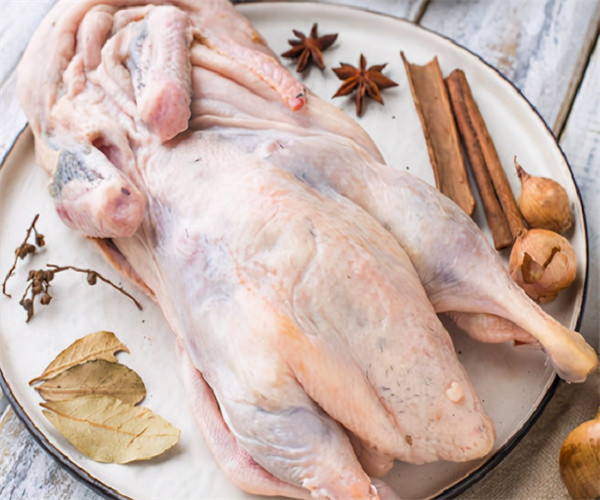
(441, 136)
(471, 128)
(491, 179)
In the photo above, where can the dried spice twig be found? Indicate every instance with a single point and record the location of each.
(39, 280)
(39, 284)
(482, 156)
(24, 249)
(441, 136)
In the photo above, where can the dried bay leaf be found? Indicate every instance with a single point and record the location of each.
(98, 345)
(106, 429)
(99, 377)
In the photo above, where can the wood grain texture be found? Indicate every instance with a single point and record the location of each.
(541, 46)
(580, 142)
(405, 9)
(16, 29)
(27, 472)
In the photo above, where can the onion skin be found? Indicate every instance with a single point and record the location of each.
(543, 263)
(579, 460)
(544, 203)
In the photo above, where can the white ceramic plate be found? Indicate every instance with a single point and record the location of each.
(514, 384)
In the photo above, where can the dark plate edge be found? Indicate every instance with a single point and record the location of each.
(454, 490)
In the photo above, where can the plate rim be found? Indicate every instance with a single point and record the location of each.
(461, 485)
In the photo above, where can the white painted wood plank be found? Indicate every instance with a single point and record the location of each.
(18, 21)
(407, 9)
(580, 141)
(540, 46)
(3, 405)
(28, 472)
(13, 117)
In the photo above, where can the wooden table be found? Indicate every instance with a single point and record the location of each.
(548, 49)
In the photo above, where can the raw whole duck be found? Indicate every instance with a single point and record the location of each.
(292, 264)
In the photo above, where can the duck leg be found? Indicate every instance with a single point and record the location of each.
(459, 269)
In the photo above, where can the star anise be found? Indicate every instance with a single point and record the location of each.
(309, 48)
(366, 82)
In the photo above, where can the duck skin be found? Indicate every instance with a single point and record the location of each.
(245, 207)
